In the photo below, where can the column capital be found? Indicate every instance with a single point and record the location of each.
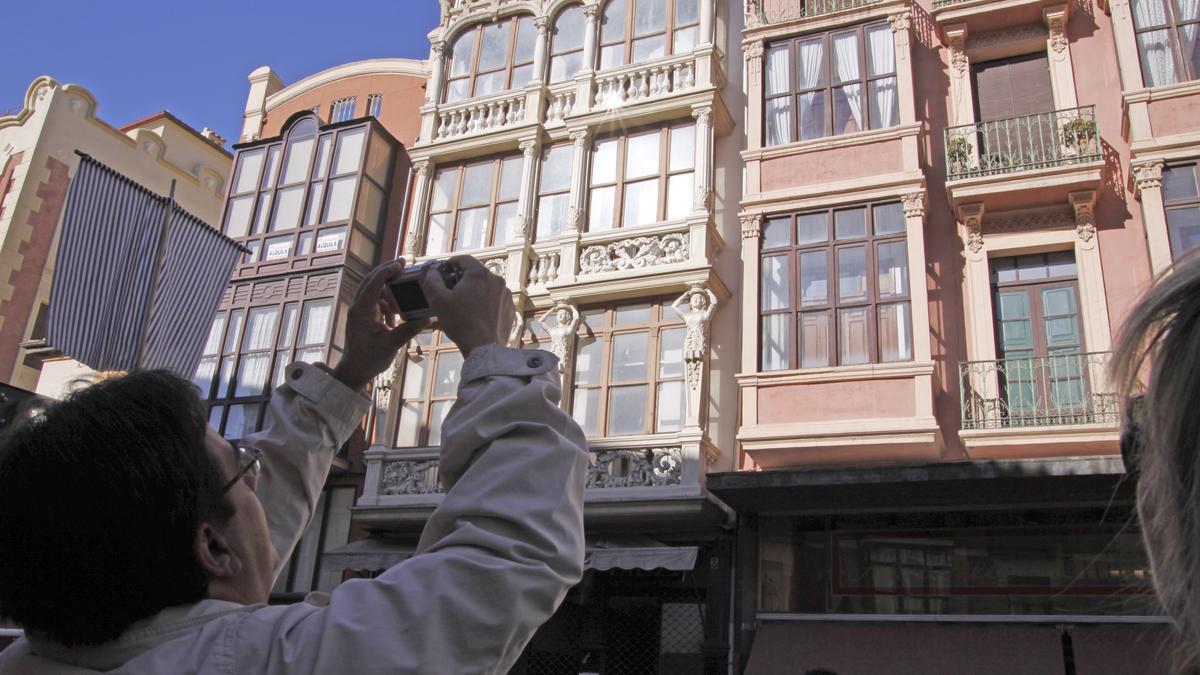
(956, 39)
(702, 115)
(753, 49)
(914, 204)
(590, 10)
(438, 48)
(1056, 20)
(751, 225)
(1084, 202)
(579, 138)
(422, 168)
(542, 23)
(900, 22)
(971, 216)
(529, 147)
(1147, 174)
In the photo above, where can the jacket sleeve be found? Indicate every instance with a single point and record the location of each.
(494, 561)
(309, 417)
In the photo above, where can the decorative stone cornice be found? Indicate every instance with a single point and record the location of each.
(751, 225)
(1148, 174)
(1084, 202)
(914, 204)
(971, 216)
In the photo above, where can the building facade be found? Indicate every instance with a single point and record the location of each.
(38, 146)
(949, 209)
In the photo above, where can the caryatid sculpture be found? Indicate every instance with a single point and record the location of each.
(701, 302)
(561, 331)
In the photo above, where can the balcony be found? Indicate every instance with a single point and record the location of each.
(1049, 152)
(781, 11)
(1062, 403)
(982, 16)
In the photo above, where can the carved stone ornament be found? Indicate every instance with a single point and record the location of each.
(497, 266)
(1057, 23)
(697, 315)
(579, 138)
(750, 11)
(382, 388)
(437, 48)
(971, 216)
(1036, 220)
(753, 49)
(1148, 174)
(900, 22)
(422, 169)
(561, 330)
(542, 23)
(635, 253)
(703, 116)
(1084, 203)
(751, 225)
(590, 10)
(992, 38)
(958, 52)
(409, 477)
(652, 467)
(703, 200)
(575, 218)
(529, 147)
(914, 204)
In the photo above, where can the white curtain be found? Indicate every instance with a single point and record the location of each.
(1158, 64)
(812, 65)
(778, 124)
(845, 48)
(883, 60)
(1188, 10)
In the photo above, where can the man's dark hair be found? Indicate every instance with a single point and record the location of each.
(100, 499)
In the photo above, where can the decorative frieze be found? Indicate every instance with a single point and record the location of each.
(652, 467)
(410, 477)
(992, 38)
(635, 253)
(1054, 219)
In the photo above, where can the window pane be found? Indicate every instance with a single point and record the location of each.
(847, 109)
(252, 255)
(670, 352)
(449, 369)
(494, 51)
(437, 415)
(204, 375)
(888, 218)
(507, 223)
(1178, 182)
(263, 210)
(600, 209)
(237, 222)
(438, 235)
(249, 164)
(242, 420)
(323, 147)
(631, 315)
(671, 401)
(627, 410)
(683, 147)
(288, 205)
(645, 49)
(287, 331)
(810, 63)
(472, 225)
(586, 410)
(526, 40)
(680, 190)
(641, 203)
(521, 76)
(881, 50)
(613, 24)
(552, 216)
(686, 12)
(629, 357)
(1031, 267)
(460, 55)
(314, 325)
(604, 162)
(1061, 263)
(278, 247)
(443, 189)
(1149, 13)
(812, 228)
(313, 212)
(568, 30)
(341, 195)
(349, 151)
(775, 233)
(814, 339)
(776, 341)
(268, 179)
(884, 112)
(895, 326)
(253, 373)
(295, 165)
(814, 278)
(477, 185)
(1184, 228)
(685, 39)
(845, 56)
(775, 283)
(235, 330)
(565, 66)
(409, 424)
(589, 358)
(332, 239)
(852, 273)
(1158, 57)
(892, 260)
(777, 70)
(212, 344)
(813, 122)
(641, 155)
(850, 223)
(779, 120)
(649, 16)
(456, 90)
(510, 178)
(854, 336)
(612, 56)
(556, 169)
(414, 378)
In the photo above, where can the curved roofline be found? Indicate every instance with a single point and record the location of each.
(414, 67)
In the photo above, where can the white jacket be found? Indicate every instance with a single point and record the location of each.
(494, 561)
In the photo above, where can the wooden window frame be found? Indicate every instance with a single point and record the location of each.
(455, 207)
(1184, 68)
(668, 32)
(1180, 204)
(794, 92)
(662, 318)
(431, 348)
(833, 304)
(665, 132)
(473, 72)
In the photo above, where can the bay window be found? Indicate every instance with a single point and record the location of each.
(834, 288)
(554, 188)
(628, 372)
(834, 83)
(642, 178)
(491, 58)
(566, 44)
(1167, 40)
(474, 205)
(636, 31)
(1182, 200)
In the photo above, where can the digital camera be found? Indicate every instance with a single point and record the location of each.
(406, 289)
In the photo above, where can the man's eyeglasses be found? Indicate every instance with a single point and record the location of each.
(1133, 433)
(249, 463)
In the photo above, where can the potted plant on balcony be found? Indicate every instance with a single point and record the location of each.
(958, 153)
(1079, 135)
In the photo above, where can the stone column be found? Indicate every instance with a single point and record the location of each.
(1147, 176)
(906, 100)
(753, 53)
(591, 11)
(984, 383)
(1058, 49)
(962, 105)
(1126, 42)
(576, 210)
(703, 160)
(541, 49)
(751, 225)
(707, 7)
(419, 218)
(1092, 299)
(528, 194)
(918, 292)
(437, 71)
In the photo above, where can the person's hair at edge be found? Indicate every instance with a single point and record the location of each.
(102, 494)
(1163, 333)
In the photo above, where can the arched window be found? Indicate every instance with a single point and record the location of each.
(566, 44)
(491, 57)
(634, 31)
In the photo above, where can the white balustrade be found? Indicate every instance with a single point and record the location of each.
(643, 82)
(560, 104)
(477, 116)
(543, 268)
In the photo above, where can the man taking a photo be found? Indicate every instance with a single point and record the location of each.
(134, 538)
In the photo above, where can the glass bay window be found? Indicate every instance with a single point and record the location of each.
(474, 205)
(636, 31)
(491, 57)
(642, 178)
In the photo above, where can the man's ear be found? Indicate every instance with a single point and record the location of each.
(214, 555)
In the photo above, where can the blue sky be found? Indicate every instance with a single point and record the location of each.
(139, 57)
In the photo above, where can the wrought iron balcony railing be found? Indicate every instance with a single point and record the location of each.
(779, 11)
(1047, 391)
(1057, 138)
